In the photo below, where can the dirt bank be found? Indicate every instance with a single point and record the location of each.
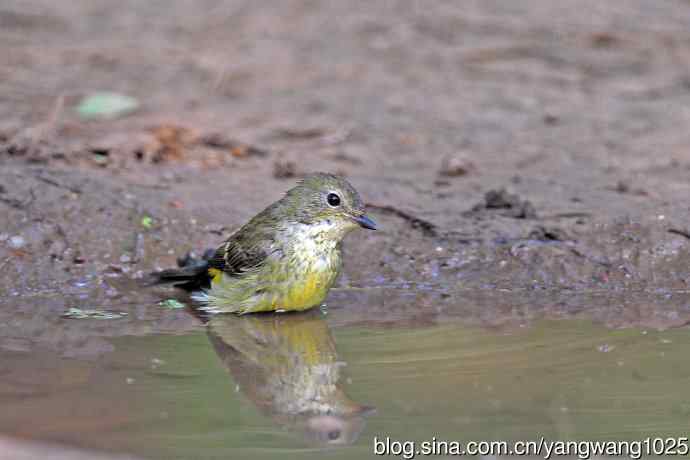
(526, 148)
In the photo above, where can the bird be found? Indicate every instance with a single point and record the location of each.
(288, 367)
(286, 258)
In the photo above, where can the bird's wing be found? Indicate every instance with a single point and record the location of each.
(236, 257)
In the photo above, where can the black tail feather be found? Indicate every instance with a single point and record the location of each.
(191, 276)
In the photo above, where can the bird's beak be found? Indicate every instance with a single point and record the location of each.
(365, 222)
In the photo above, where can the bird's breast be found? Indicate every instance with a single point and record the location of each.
(314, 264)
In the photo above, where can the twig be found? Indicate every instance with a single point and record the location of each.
(55, 114)
(18, 204)
(589, 258)
(568, 215)
(4, 262)
(12, 202)
(427, 228)
(677, 231)
(57, 184)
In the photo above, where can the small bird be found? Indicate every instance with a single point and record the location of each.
(286, 258)
(288, 367)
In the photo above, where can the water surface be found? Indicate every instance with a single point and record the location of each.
(268, 386)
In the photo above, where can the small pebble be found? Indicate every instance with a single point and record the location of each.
(457, 165)
(605, 348)
(17, 242)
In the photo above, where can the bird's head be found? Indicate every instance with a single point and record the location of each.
(329, 202)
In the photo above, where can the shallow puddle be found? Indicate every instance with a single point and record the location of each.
(271, 386)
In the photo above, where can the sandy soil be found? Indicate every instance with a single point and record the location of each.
(538, 148)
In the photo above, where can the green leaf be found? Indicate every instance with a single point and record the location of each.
(171, 304)
(147, 222)
(106, 105)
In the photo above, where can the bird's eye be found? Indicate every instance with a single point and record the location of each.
(333, 199)
(333, 435)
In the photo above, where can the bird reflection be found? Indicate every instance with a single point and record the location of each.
(287, 365)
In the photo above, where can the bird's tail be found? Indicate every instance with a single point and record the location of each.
(192, 274)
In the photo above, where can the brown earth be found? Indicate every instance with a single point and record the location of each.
(523, 159)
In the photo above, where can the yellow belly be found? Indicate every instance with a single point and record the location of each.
(255, 293)
(304, 293)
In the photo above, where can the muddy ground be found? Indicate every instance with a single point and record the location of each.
(523, 159)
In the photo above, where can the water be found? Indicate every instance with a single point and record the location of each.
(317, 385)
